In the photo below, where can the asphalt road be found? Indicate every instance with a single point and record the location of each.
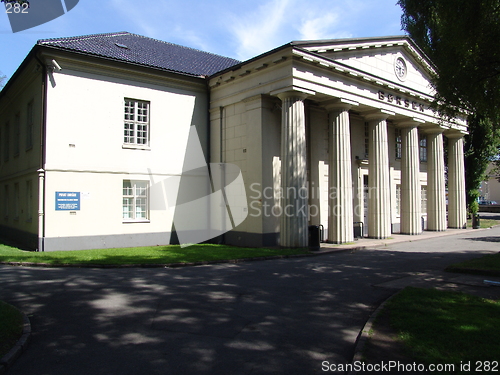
(276, 316)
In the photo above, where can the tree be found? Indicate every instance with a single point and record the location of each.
(2, 80)
(16, 1)
(461, 38)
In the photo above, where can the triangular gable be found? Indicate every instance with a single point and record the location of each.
(394, 59)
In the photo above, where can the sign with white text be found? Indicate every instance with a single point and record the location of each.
(67, 201)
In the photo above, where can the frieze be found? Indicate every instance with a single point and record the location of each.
(391, 98)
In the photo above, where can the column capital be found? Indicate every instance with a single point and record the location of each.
(454, 135)
(338, 105)
(410, 123)
(292, 92)
(434, 130)
(379, 114)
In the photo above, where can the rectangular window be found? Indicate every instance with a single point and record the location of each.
(423, 147)
(6, 201)
(136, 122)
(6, 142)
(17, 132)
(398, 200)
(399, 144)
(367, 140)
(423, 197)
(16, 201)
(135, 200)
(29, 126)
(29, 201)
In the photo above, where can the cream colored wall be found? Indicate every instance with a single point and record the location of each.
(251, 141)
(85, 151)
(382, 65)
(317, 143)
(21, 168)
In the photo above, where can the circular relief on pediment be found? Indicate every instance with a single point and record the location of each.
(400, 68)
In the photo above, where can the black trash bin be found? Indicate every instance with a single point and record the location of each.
(314, 237)
(476, 221)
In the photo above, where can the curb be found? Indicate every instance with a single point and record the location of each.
(364, 334)
(179, 265)
(8, 359)
(323, 251)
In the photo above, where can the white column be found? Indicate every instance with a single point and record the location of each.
(411, 217)
(340, 203)
(379, 203)
(294, 202)
(457, 214)
(436, 190)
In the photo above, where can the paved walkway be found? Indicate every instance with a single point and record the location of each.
(280, 316)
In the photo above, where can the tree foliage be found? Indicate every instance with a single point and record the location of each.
(2, 80)
(461, 38)
(478, 153)
(16, 1)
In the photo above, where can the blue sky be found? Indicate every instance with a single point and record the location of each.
(235, 28)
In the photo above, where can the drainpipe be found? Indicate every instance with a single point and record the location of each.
(41, 171)
(221, 161)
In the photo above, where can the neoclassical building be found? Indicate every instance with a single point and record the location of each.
(336, 133)
(346, 123)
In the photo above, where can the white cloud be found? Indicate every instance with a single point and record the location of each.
(318, 27)
(258, 31)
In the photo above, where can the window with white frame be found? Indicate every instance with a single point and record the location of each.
(423, 199)
(423, 147)
(136, 122)
(16, 201)
(29, 126)
(6, 142)
(399, 144)
(6, 201)
(29, 201)
(367, 140)
(398, 200)
(135, 200)
(17, 133)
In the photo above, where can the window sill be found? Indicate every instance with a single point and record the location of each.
(135, 221)
(136, 147)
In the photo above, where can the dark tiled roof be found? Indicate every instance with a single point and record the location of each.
(141, 50)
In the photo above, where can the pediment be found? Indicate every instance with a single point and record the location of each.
(386, 58)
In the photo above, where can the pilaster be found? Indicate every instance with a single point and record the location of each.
(340, 200)
(379, 203)
(457, 214)
(294, 201)
(436, 189)
(410, 179)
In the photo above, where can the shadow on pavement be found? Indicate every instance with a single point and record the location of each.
(280, 316)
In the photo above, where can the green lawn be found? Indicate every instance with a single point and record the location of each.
(141, 255)
(446, 327)
(11, 327)
(483, 223)
(488, 265)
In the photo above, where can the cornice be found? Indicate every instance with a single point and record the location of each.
(120, 70)
(357, 74)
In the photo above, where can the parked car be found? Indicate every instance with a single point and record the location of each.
(485, 202)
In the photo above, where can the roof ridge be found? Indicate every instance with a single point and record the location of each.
(180, 45)
(120, 33)
(83, 37)
(144, 50)
(349, 40)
